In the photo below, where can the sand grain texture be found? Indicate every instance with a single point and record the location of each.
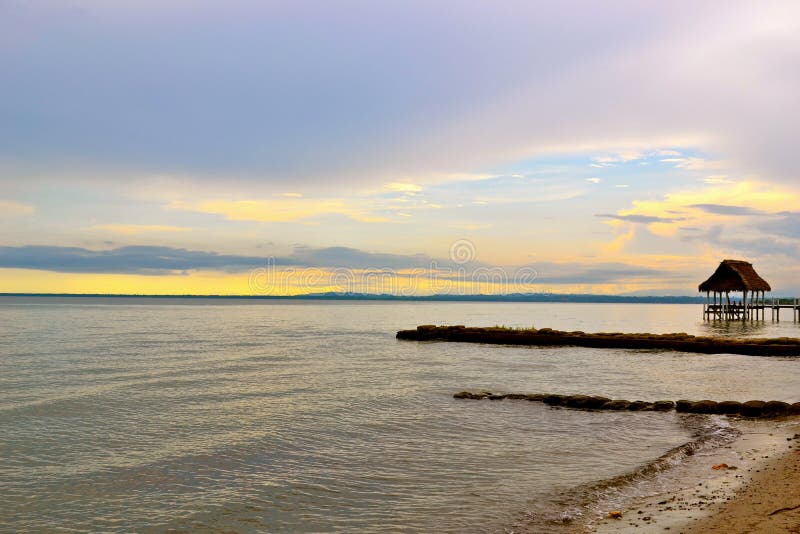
(769, 503)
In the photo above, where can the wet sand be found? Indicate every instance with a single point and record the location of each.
(755, 488)
(769, 503)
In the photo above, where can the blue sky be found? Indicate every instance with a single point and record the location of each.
(615, 147)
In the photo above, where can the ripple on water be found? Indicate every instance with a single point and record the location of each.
(312, 417)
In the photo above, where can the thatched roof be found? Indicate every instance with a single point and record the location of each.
(735, 275)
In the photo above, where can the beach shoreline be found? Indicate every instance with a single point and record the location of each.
(750, 485)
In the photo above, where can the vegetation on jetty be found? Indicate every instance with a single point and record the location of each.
(782, 346)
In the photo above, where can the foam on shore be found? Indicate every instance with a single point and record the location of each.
(692, 492)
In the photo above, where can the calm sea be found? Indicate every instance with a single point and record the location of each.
(214, 415)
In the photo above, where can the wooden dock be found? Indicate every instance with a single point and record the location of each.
(755, 310)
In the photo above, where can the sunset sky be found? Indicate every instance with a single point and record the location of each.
(257, 147)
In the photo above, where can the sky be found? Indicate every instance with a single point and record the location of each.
(260, 147)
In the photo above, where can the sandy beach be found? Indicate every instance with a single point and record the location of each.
(751, 485)
(769, 502)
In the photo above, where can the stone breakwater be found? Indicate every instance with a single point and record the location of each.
(782, 346)
(753, 408)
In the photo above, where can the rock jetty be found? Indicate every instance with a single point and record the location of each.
(753, 408)
(782, 346)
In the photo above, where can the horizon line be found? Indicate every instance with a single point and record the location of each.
(375, 296)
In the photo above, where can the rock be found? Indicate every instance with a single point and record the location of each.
(535, 397)
(616, 405)
(703, 406)
(775, 409)
(729, 407)
(683, 405)
(554, 400)
(470, 395)
(615, 514)
(663, 406)
(638, 406)
(595, 402)
(496, 397)
(794, 409)
(752, 408)
(577, 401)
(517, 396)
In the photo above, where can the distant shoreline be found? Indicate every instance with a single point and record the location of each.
(527, 297)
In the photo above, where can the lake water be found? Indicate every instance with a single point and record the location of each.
(241, 416)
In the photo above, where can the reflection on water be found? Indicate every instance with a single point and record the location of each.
(728, 328)
(135, 416)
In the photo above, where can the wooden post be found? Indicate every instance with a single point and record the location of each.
(744, 305)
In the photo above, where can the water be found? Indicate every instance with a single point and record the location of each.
(154, 415)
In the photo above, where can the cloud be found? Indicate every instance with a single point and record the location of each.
(133, 259)
(351, 98)
(593, 180)
(11, 209)
(713, 203)
(567, 274)
(403, 187)
(131, 229)
(351, 258)
(642, 219)
(274, 210)
(787, 225)
(150, 260)
(166, 260)
(623, 156)
(747, 245)
(722, 209)
(717, 179)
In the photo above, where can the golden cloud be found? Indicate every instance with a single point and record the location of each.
(277, 210)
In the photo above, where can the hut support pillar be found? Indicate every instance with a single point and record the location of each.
(745, 307)
(728, 304)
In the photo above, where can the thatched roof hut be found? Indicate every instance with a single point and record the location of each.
(735, 275)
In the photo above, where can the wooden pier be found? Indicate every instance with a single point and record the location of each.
(751, 311)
